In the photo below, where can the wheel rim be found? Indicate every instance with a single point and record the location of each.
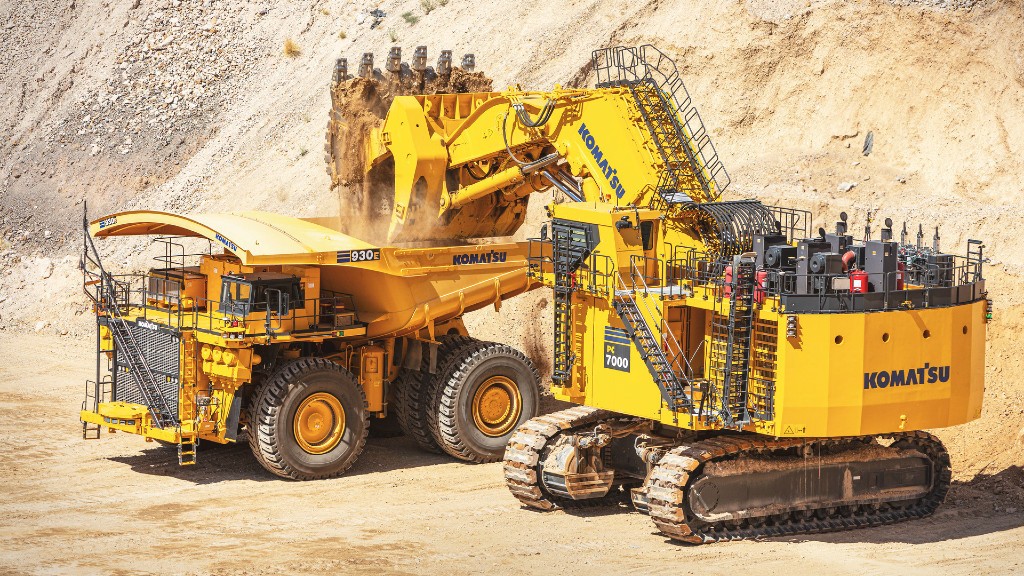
(497, 405)
(319, 423)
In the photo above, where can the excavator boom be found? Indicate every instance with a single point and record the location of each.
(465, 164)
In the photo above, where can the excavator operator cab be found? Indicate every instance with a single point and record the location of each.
(273, 292)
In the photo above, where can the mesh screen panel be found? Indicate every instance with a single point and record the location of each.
(162, 350)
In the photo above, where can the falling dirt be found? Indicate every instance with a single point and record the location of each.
(358, 105)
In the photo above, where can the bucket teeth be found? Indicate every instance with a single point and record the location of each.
(419, 59)
(340, 70)
(405, 71)
(366, 65)
(394, 65)
(444, 64)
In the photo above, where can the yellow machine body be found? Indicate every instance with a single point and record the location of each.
(841, 374)
(694, 333)
(358, 301)
(454, 178)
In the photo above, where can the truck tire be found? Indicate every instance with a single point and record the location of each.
(310, 420)
(416, 387)
(485, 392)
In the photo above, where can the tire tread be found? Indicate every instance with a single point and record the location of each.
(444, 402)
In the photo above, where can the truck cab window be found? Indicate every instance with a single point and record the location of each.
(260, 292)
(235, 296)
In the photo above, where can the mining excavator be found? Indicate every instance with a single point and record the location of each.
(736, 374)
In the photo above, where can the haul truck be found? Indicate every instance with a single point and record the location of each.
(737, 375)
(302, 337)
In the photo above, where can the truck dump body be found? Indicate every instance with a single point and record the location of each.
(399, 290)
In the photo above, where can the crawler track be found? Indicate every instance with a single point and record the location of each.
(524, 452)
(683, 465)
(683, 468)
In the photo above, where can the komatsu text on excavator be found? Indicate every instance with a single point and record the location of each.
(737, 374)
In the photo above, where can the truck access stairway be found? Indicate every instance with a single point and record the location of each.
(731, 337)
(693, 171)
(105, 297)
(665, 370)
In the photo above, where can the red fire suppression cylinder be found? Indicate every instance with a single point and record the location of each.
(858, 282)
(728, 281)
(761, 290)
(900, 272)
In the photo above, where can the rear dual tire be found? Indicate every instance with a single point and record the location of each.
(415, 389)
(481, 395)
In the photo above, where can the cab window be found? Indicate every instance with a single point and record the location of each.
(265, 294)
(235, 296)
(248, 293)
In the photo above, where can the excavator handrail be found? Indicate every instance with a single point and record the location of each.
(678, 351)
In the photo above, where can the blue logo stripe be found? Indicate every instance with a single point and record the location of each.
(616, 336)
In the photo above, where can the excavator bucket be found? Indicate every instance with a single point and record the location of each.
(359, 103)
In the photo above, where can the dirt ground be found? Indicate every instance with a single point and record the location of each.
(121, 506)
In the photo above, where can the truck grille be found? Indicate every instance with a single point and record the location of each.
(161, 348)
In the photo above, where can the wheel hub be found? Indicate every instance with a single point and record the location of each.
(319, 423)
(497, 406)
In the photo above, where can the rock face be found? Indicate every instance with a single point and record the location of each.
(109, 98)
(180, 63)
